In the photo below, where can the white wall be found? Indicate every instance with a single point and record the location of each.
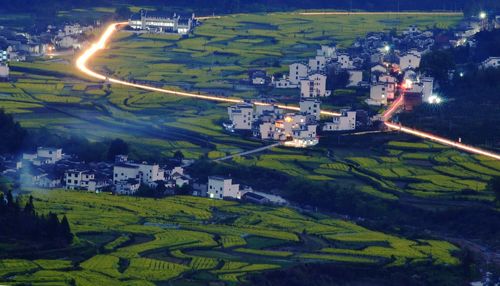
(311, 107)
(297, 72)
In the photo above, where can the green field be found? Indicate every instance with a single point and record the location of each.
(140, 241)
(48, 93)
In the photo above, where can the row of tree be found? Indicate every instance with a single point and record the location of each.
(24, 224)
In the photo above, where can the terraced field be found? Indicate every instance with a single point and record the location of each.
(179, 236)
(422, 169)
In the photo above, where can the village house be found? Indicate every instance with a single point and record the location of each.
(4, 71)
(310, 106)
(329, 52)
(80, 180)
(241, 116)
(346, 121)
(44, 156)
(379, 92)
(283, 82)
(258, 77)
(317, 64)
(148, 21)
(314, 86)
(147, 174)
(219, 188)
(491, 62)
(410, 60)
(298, 72)
(345, 61)
(355, 78)
(378, 68)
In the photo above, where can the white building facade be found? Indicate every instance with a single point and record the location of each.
(314, 86)
(241, 116)
(219, 188)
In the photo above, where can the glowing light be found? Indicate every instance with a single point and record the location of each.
(81, 64)
(387, 48)
(482, 15)
(408, 84)
(441, 140)
(434, 99)
(461, 74)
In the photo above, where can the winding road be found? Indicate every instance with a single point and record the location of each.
(81, 64)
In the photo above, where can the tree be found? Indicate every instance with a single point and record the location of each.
(12, 130)
(65, 230)
(29, 209)
(178, 156)
(123, 12)
(117, 147)
(337, 79)
(437, 64)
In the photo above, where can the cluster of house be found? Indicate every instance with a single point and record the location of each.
(153, 22)
(19, 46)
(385, 63)
(269, 122)
(50, 168)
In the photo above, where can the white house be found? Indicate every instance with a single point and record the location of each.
(345, 61)
(410, 60)
(317, 64)
(145, 173)
(314, 86)
(355, 77)
(378, 94)
(427, 88)
(79, 180)
(4, 56)
(4, 71)
(241, 116)
(347, 121)
(310, 106)
(328, 52)
(127, 187)
(219, 188)
(491, 62)
(283, 83)
(379, 68)
(44, 156)
(162, 24)
(298, 72)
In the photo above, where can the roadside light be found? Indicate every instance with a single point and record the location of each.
(482, 15)
(434, 99)
(387, 48)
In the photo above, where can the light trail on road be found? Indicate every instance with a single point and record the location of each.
(441, 140)
(81, 64)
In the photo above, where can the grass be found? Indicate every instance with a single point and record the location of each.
(139, 252)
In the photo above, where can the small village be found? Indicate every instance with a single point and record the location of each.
(385, 65)
(50, 168)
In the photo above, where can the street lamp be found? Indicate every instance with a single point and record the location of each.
(387, 48)
(482, 15)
